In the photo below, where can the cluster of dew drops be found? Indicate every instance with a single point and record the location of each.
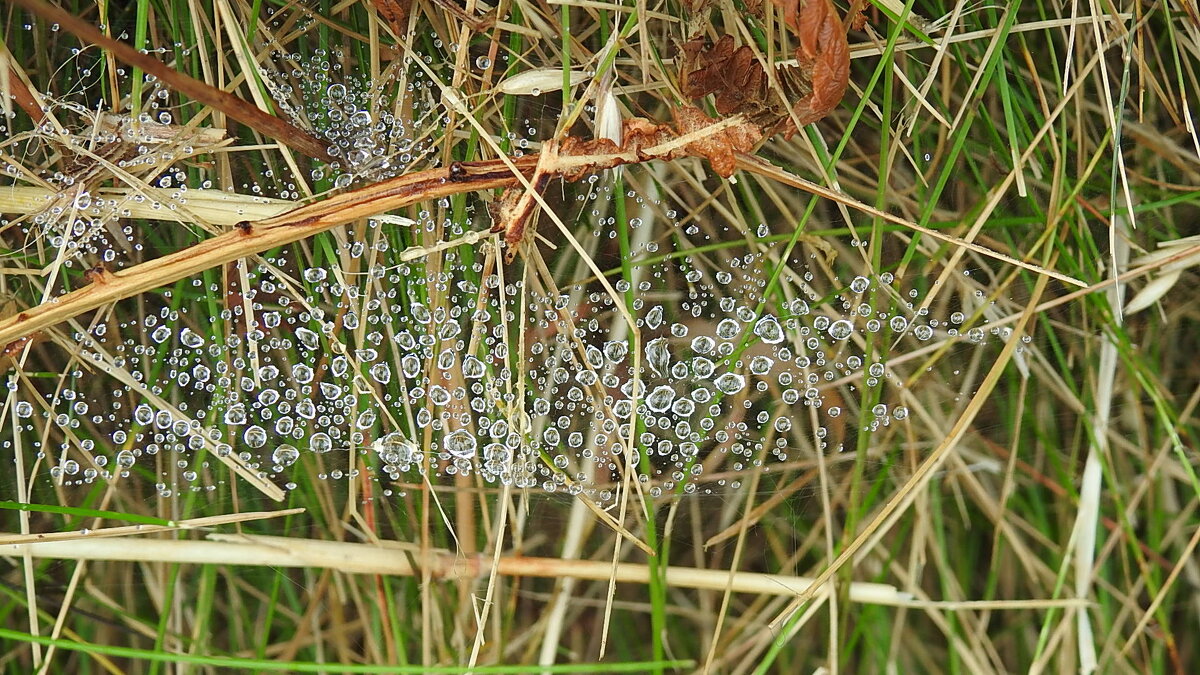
(410, 375)
(366, 139)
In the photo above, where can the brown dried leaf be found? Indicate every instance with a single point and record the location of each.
(736, 79)
(395, 14)
(693, 134)
(734, 76)
(824, 54)
(720, 147)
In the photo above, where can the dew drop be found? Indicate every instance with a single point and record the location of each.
(728, 329)
(841, 329)
(285, 455)
(381, 373)
(308, 338)
(659, 400)
(460, 444)
(255, 436)
(730, 383)
(657, 356)
(320, 442)
(143, 414)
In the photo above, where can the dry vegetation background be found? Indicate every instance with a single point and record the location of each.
(1026, 500)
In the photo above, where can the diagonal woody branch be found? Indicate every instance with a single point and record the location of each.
(719, 142)
(248, 238)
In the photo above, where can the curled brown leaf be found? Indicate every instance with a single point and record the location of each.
(736, 78)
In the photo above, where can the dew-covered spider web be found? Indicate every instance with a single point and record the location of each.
(404, 352)
(413, 372)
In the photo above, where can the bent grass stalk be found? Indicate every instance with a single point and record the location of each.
(387, 558)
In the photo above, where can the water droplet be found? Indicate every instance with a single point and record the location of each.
(190, 339)
(255, 436)
(381, 373)
(302, 374)
(285, 455)
(769, 330)
(320, 442)
(143, 414)
(730, 383)
(460, 444)
(657, 356)
(841, 329)
(659, 400)
(761, 365)
(654, 317)
(235, 414)
(615, 351)
(125, 458)
(472, 367)
(308, 338)
(703, 344)
(728, 329)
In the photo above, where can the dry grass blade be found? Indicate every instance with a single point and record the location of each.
(388, 558)
(131, 530)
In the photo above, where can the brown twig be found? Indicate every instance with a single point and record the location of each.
(247, 238)
(240, 110)
(23, 97)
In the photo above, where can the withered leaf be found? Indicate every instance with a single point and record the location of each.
(736, 79)
(693, 134)
(515, 213)
(395, 13)
(721, 147)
